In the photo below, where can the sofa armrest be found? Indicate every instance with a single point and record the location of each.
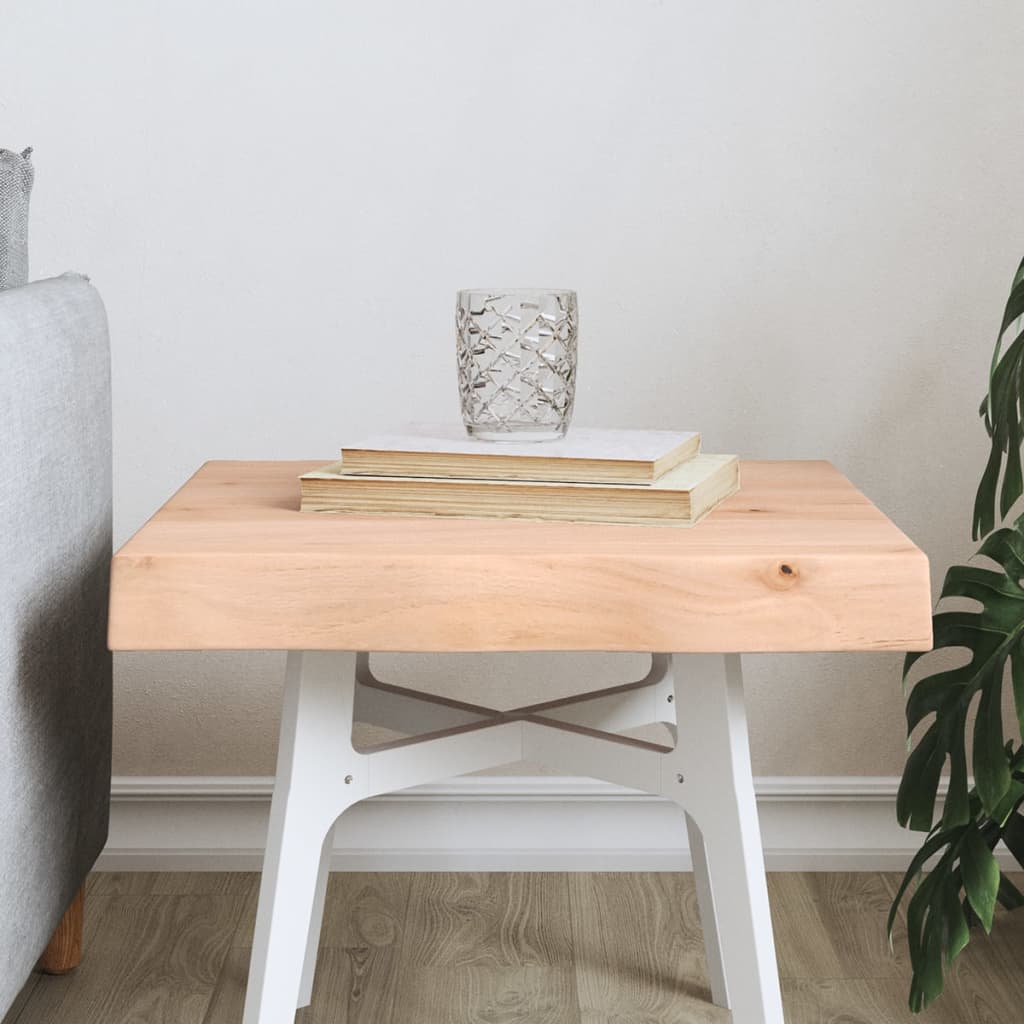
(55, 670)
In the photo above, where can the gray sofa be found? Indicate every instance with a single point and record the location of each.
(55, 673)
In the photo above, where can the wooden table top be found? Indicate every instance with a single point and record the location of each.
(799, 560)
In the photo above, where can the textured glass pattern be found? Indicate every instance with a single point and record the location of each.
(517, 363)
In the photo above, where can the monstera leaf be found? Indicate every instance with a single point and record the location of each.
(985, 646)
(962, 888)
(992, 635)
(1001, 411)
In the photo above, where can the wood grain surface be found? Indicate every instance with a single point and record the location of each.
(640, 950)
(799, 560)
(149, 957)
(364, 921)
(485, 948)
(830, 926)
(506, 949)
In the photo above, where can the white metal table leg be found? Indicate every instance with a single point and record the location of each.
(708, 916)
(708, 774)
(316, 922)
(315, 760)
(713, 757)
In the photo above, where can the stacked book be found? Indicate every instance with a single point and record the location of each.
(645, 477)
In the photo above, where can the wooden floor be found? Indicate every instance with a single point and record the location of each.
(505, 948)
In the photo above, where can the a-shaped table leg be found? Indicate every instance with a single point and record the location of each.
(708, 917)
(708, 774)
(712, 757)
(318, 776)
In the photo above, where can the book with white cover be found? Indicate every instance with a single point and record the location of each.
(584, 455)
(681, 497)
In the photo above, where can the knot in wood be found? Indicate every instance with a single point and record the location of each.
(784, 575)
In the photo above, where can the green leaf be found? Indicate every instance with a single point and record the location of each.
(1001, 414)
(916, 998)
(1017, 678)
(991, 770)
(981, 876)
(957, 810)
(1006, 546)
(1013, 480)
(978, 582)
(930, 974)
(917, 920)
(925, 932)
(958, 934)
(1019, 276)
(929, 848)
(984, 502)
(981, 632)
(1010, 802)
(992, 634)
(915, 800)
(938, 694)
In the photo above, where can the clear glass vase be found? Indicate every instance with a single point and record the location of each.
(517, 362)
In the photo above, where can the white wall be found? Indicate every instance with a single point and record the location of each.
(791, 226)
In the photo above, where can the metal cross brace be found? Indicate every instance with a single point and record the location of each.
(601, 714)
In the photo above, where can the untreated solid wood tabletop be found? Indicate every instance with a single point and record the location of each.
(799, 560)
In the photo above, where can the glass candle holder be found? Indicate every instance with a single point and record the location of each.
(517, 362)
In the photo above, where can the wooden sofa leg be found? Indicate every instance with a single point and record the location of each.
(64, 953)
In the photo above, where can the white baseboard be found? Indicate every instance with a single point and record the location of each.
(533, 823)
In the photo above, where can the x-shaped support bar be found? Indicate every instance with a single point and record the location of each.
(600, 714)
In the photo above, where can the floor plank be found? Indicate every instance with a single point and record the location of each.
(859, 1001)
(366, 911)
(347, 991)
(147, 958)
(488, 949)
(231, 884)
(640, 949)
(354, 985)
(832, 925)
(485, 994)
(228, 999)
(477, 919)
(364, 920)
(103, 884)
(20, 1000)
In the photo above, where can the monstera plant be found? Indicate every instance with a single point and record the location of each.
(978, 653)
